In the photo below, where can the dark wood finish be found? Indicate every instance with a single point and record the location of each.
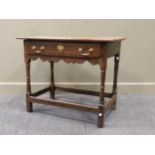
(81, 91)
(95, 50)
(52, 92)
(103, 63)
(70, 50)
(64, 104)
(40, 92)
(116, 67)
(93, 61)
(28, 81)
(100, 123)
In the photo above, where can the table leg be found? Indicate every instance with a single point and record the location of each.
(102, 87)
(52, 92)
(28, 85)
(116, 67)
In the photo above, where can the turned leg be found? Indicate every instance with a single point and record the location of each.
(28, 85)
(116, 66)
(52, 92)
(102, 87)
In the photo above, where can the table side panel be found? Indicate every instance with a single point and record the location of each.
(112, 49)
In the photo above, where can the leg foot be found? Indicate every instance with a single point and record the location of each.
(29, 106)
(52, 94)
(100, 120)
(113, 107)
(101, 117)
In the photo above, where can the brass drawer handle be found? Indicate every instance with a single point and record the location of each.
(33, 47)
(85, 53)
(42, 48)
(91, 49)
(60, 48)
(80, 49)
(38, 52)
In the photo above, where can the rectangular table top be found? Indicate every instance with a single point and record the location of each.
(85, 39)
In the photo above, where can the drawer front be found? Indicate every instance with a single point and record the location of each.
(64, 50)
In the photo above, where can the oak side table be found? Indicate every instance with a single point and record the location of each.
(95, 50)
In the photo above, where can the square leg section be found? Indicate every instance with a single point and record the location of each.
(29, 105)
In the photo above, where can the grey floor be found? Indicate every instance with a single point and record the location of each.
(135, 114)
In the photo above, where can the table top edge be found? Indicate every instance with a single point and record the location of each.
(95, 39)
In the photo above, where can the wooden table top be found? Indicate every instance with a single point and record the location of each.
(87, 39)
